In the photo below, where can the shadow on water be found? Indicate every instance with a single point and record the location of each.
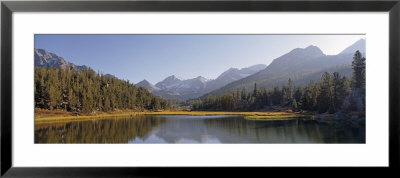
(196, 129)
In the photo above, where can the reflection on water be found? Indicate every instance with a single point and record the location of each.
(119, 130)
(195, 129)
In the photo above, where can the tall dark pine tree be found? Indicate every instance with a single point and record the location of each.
(290, 90)
(358, 82)
(255, 92)
(358, 66)
(340, 91)
(325, 97)
(294, 105)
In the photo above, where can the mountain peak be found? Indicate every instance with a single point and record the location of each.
(358, 45)
(144, 81)
(44, 58)
(41, 52)
(230, 70)
(311, 47)
(169, 82)
(173, 77)
(146, 84)
(309, 51)
(202, 79)
(256, 67)
(233, 74)
(314, 49)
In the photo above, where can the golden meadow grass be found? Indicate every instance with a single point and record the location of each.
(57, 116)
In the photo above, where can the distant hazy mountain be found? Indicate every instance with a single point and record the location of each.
(157, 91)
(171, 87)
(175, 87)
(183, 89)
(47, 59)
(232, 75)
(170, 83)
(301, 65)
(359, 45)
(148, 85)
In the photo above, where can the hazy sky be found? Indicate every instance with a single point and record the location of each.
(155, 57)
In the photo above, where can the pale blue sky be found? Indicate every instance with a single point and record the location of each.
(155, 57)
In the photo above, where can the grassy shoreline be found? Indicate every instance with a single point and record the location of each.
(55, 116)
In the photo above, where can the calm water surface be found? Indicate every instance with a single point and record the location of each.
(195, 129)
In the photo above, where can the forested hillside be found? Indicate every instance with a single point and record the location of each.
(334, 92)
(301, 65)
(85, 91)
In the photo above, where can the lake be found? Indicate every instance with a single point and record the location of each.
(195, 129)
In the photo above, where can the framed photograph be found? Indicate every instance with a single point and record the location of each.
(104, 88)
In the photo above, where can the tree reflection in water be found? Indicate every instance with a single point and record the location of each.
(238, 130)
(117, 130)
(196, 129)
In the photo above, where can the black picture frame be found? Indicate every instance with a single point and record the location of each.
(8, 7)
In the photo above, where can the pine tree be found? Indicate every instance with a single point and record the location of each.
(255, 91)
(340, 90)
(72, 99)
(290, 89)
(294, 105)
(244, 93)
(325, 96)
(53, 89)
(358, 66)
(276, 96)
(285, 97)
(337, 95)
(155, 104)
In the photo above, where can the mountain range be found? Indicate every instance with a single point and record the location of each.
(170, 87)
(174, 87)
(300, 64)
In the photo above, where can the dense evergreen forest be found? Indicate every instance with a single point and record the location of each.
(331, 94)
(87, 91)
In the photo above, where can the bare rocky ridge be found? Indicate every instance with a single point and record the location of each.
(43, 58)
